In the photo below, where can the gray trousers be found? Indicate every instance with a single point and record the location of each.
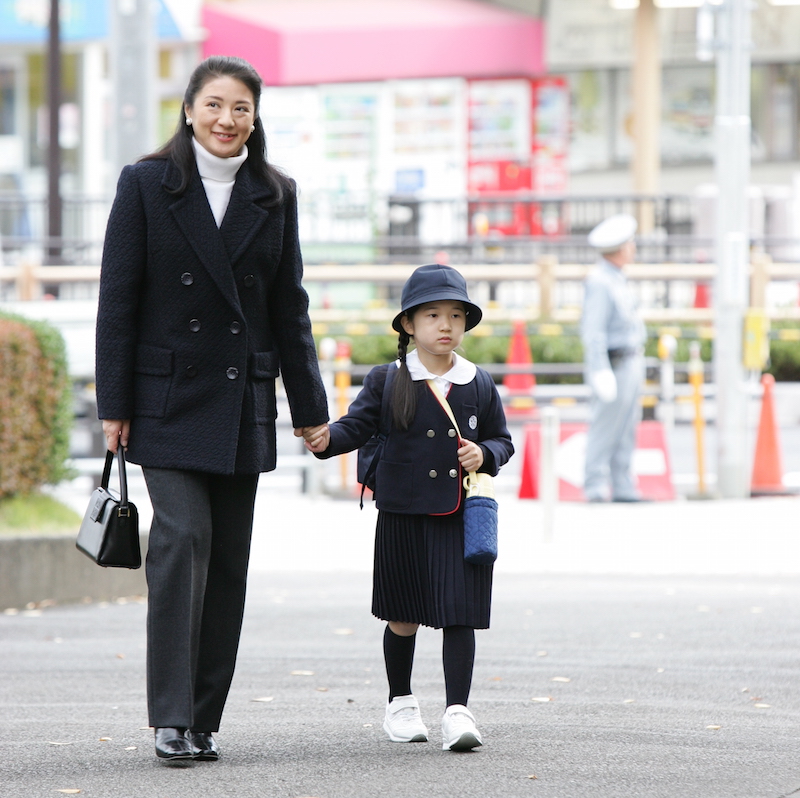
(196, 572)
(612, 436)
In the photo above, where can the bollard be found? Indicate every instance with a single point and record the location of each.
(695, 370)
(667, 344)
(342, 381)
(548, 473)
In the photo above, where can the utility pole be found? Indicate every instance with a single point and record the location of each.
(732, 165)
(132, 57)
(54, 211)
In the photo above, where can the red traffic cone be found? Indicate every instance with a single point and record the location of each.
(767, 468)
(519, 387)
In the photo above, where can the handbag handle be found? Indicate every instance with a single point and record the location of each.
(124, 510)
(437, 392)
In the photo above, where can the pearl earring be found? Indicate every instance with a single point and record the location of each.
(188, 120)
(252, 128)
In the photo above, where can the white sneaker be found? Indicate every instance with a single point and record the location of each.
(458, 729)
(403, 723)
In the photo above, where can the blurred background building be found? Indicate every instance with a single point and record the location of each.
(408, 123)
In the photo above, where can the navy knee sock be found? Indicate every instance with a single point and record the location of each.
(398, 652)
(458, 655)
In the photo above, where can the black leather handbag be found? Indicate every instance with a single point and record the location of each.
(109, 532)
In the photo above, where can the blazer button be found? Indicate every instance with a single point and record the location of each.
(191, 371)
(431, 433)
(432, 474)
(187, 278)
(451, 433)
(453, 473)
(194, 325)
(232, 373)
(249, 280)
(236, 328)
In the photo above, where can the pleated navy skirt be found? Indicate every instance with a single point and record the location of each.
(420, 575)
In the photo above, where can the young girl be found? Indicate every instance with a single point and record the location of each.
(420, 575)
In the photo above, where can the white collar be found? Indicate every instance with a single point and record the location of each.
(212, 167)
(462, 371)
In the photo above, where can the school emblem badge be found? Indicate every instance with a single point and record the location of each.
(473, 422)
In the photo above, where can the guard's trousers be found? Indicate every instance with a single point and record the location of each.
(196, 572)
(612, 435)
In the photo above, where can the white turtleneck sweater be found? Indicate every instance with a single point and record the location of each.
(218, 176)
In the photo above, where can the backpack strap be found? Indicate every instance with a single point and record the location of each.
(384, 427)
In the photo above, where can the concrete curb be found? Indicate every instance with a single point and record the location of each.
(50, 568)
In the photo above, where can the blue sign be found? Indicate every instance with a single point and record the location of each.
(26, 21)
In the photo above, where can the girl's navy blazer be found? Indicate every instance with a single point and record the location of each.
(194, 322)
(419, 471)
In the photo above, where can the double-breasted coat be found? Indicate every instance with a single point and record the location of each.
(195, 322)
(419, 472)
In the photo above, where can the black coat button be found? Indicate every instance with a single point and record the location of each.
(236, 328)
(187, 278)
(194, 325)
(191, 371)
(233, 373)
(249, 280)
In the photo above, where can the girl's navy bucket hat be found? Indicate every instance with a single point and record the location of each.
(432, 283)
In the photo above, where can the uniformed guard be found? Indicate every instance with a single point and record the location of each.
(613, 336)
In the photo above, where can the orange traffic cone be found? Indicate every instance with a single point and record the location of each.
(767, 468)
(519, 387)
(702, 295)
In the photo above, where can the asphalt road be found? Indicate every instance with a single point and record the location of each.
(673, 686)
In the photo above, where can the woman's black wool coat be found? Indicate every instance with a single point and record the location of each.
(194, 321)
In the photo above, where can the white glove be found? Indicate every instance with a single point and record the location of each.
(604, 385)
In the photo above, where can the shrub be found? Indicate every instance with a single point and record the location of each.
(35, 406)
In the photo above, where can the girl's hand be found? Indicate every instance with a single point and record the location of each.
(316, 439)
(116, 432)
(470, 455)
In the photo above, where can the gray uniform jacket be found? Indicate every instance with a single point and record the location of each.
(610, 316)
(194, 322)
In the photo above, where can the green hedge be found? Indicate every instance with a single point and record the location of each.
(567, 348)
(35, 405)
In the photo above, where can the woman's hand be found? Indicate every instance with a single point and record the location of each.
(116, 432)
(470, 455)
(316, 439)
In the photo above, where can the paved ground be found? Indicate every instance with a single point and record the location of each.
(665, 637)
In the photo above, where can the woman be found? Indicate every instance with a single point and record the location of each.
(200, 303)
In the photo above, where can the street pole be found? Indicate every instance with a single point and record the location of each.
(54, 212)
(732, 165)
(646, 111)
(132, 55)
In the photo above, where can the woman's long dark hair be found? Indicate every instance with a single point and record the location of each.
(179, 147)
(404, 391)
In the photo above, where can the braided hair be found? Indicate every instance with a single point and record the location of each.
(404, 392)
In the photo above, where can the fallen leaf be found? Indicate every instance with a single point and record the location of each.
(264, 699)
(541, 653)
(120, 656)
(745, 689)
(351, 701)
(533, 776)
(659, 670)
(321, 689)
(629, 701)
(367, 725)
(302, 673)
(762, 706)
(561, 679)
(105, 740)
(713, 728)
(145, 728)
(131, 748)
(542, 699)
(343, 631)
(51, 742)
(495, 679)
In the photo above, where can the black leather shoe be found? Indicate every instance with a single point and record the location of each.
(173, 744)
(204, 746)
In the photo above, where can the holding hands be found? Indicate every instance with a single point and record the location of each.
(470, 455)
(316, 439)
